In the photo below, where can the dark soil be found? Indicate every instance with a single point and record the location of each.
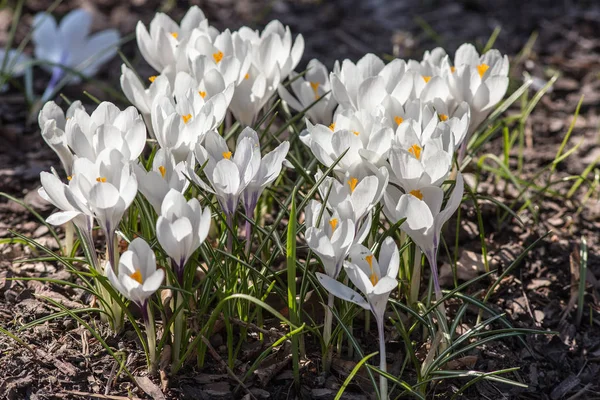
(63, 360)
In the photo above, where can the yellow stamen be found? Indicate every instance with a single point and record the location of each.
(162, 170)
(152, 78)
(398, 120)
(227, 155)
(481, 68)
(69, 177)
(452, 69)
(218, 56)
(373, 278)
(356, 133)
(202, 94)
(426, 78)
(332, 126)
(333, 222)
(137, 276)
(174, 34)
(101, 179)
(352, 182)
(186, 118)
(315, 88)
(443, 117)
(247, 76)
(417, 193)
(415, 150)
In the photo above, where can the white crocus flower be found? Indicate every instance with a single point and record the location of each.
(376, 279)
(206, 85)
(360, 135)
(159, 46)
(268, 171)
(481, 81)
(71, 45)
(228, 174)
(108, 185)
(138, 278)
(107, 127)
(425, 218)
(329, 236)
(252, 94)
(357, 194)
(272, 50)
(165, 175)
(140, 96)
(180, 125)
(309, 88)
(181, 228)
(52, 121)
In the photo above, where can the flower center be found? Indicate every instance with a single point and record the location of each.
(227, 155)
(247, 76)
(332, 126)
(162, 170)
(333, 222)
(452, 69)
(398, 120)
(101, 179)
(202, 94)
(426, 78)
(443, 117)
(174, 34)
(315, 88)
(152, 78)
(417, 193)
(218, 56)
(137, 276)
(373, 278)
(186, 118)
(69, 177)
(352, 182)
(481, 68)
(415, 150)
(356, 133)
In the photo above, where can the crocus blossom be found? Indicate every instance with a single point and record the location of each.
(138, 278)
(181, 228)
(71, 45)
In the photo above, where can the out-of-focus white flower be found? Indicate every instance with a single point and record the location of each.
(424, 217)
(268, 171)
(159, 46)
(138, 278)
(330, 237)
(52, 121)
(481, 81)
(165, 175)
(363, 136)
(309, 88)
(106, 128)
(181, 228)
(71, 45)
(228, 174)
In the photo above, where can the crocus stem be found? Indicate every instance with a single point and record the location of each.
(150, 335)
(327, 333)
(69, 236)
(111, 249)
(230, 233)
(177, 328)
(57, 74)
(248, 236)
(415, 278)
(432, 257)
(383, 389)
